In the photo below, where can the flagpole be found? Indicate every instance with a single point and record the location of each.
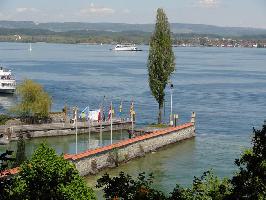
(132, 124)
(132, 118)
(111, 123)
(89, 128)
(121, 120)
(76, 120)
(101, 136)
(89, 133)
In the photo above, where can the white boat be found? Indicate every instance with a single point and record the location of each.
(126, 47)
(7, 81)
(30, 49)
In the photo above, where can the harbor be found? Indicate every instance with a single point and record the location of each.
(99, 103)
(93, 72)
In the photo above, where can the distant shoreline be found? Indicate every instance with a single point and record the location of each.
(250, 45)
(124, 33)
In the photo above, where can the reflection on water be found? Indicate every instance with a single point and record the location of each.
(67, 144)
(7, 101)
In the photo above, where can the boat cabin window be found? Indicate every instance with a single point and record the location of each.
(6, 77)
(7, 84)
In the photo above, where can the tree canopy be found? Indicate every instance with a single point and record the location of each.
(34, 101)
(208, 187)
(48, 176)
(127, 188)
(250, 181)
(161, 60)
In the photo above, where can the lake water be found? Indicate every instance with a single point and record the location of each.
(226, 87)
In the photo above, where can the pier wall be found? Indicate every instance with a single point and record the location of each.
(57, 129)
(72, 131)
(92, 161)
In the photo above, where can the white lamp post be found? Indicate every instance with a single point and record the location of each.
(101, 126)
(111, 122)
(76, 123)
(171, 112)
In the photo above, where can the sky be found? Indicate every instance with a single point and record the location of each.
(237, 13)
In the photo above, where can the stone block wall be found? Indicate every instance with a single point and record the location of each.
(92, 161)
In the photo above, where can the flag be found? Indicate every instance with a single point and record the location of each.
(132, 111)
(75, 113)
(103, 115)
(83, 116)
(99, 116)
(131, 108)
(120, 107)
(109, 113)
(111, 110)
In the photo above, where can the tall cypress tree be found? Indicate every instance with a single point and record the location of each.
(161, 60)
(20, 155)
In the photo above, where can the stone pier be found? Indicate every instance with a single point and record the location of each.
(10, 133)
(92, 161)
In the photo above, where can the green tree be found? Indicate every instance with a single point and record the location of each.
(20, 154)
(5, 181)
(207, 187)
(34, 101)
(47, 176)
(4, 119)
(161, 60)
(250, 181)
(127, 188)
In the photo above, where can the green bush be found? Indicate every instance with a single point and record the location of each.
(4, 119)
(49, 176)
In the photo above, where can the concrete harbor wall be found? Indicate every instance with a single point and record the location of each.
(92, 161)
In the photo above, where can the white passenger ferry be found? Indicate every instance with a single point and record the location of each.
(126, 47)
(7, 81)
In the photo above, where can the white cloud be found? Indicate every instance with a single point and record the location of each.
(22, 10)
(209, 3)
(96, 10)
